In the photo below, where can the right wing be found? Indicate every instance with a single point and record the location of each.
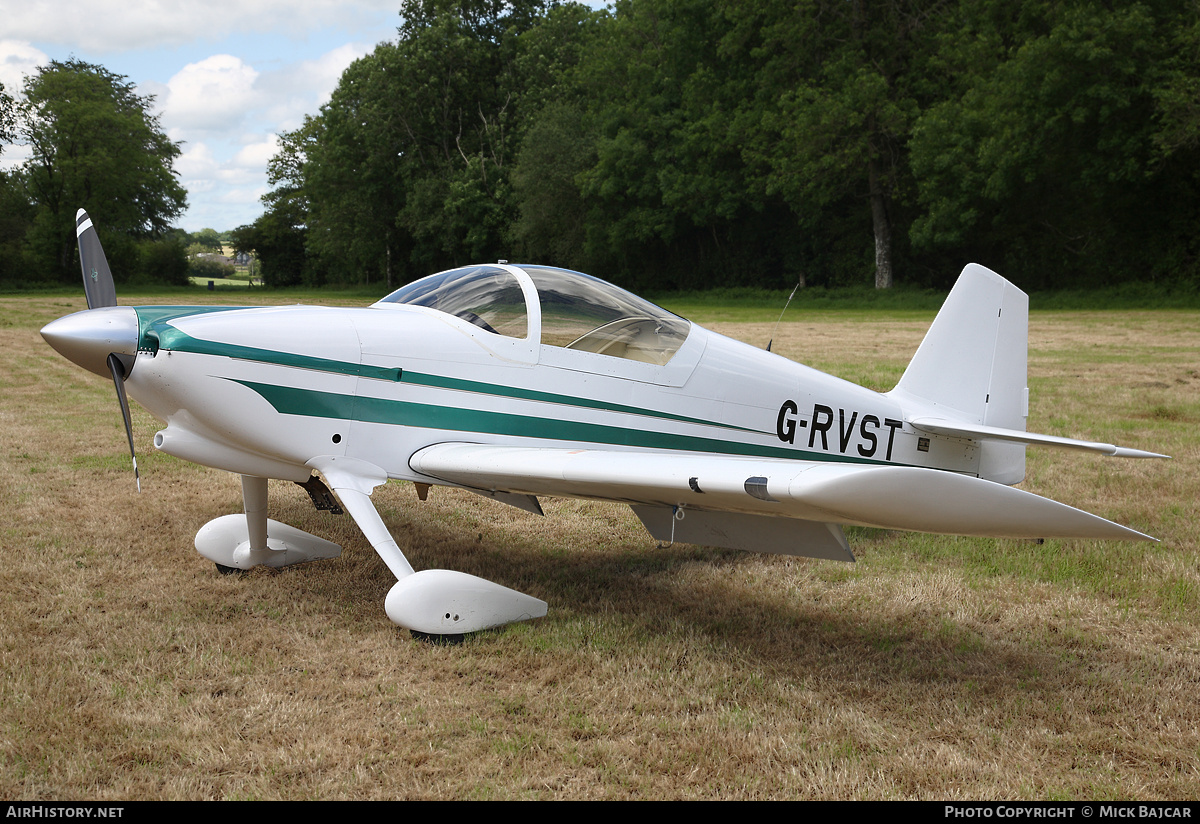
(888, 497)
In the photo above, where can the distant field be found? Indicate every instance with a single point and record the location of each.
(935, 667)
(233, 283)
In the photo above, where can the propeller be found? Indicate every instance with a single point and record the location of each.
(97, 277)
(100, 292)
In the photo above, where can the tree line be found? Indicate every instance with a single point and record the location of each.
(684, 144)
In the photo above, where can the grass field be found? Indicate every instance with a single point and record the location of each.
(935, 667)
(220, 283)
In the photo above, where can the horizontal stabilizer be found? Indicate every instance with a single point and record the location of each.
(888, 497)
(956, 429)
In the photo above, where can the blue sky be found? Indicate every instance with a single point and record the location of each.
(227, 75)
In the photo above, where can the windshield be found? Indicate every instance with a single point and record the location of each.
(587, 314)
(578, 312)
(487, 296)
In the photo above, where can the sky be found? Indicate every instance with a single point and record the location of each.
(227, 76)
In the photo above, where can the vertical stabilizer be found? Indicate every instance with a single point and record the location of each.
(972, 365)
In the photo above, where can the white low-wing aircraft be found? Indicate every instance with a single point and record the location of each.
(515, 381)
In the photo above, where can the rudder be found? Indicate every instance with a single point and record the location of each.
(972, 366)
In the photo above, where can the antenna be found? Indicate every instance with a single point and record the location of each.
(785, 306)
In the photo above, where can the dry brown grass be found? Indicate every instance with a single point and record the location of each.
(934, 668)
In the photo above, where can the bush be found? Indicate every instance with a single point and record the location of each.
(210, 268)
(164, 261)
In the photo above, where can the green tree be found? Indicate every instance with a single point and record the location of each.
(278, 237)
(95, 145)
(14, 211)
(344, 165)
(210, 268)
(1045, 162)
(842, 85)
(406, 169)
(207, 240)
(6, 118)
(666, 192)
(553, 219)
(277, 240)
(691, 144)
(164, 259)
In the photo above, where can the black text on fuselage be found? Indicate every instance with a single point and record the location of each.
(863, 431)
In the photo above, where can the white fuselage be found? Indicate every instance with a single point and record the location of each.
(264, 391)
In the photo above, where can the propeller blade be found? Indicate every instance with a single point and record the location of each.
(118, 375)
(85, 339)
(97, 277)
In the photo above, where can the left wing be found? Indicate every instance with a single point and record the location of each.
(822, 493)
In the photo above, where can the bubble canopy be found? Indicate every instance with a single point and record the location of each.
(572, 310)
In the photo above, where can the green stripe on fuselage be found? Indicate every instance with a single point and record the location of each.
(441, 382)
(173, 339)
(289, 400)
(152, 320)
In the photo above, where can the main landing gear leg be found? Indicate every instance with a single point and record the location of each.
(241, 542)
(434, 604)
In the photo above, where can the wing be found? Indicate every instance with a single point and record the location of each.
(756, 493)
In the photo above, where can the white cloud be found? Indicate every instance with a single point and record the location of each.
(13, 156)
(107, 27)
(226, 75)
(242, 196)
(303, 87)
(253, 157)
(197, 167)
(18, 58)
(213, 94)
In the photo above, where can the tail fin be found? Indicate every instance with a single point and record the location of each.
(972, 366)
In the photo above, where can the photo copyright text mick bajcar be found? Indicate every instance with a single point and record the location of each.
(1076, 811)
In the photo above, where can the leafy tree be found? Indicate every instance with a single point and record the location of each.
(95, 146)
(406, 169)
(666, 190)
(14, 211)
(16, 216)
(843, 83)
(690, 144)
(345, 167)
(553, 221)
(557, 136)
(207, 240)
(1045, 162)
(277, 240)
(278, 237)
(164, 259)
(6, 118)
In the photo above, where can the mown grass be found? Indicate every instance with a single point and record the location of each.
(935, 667)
